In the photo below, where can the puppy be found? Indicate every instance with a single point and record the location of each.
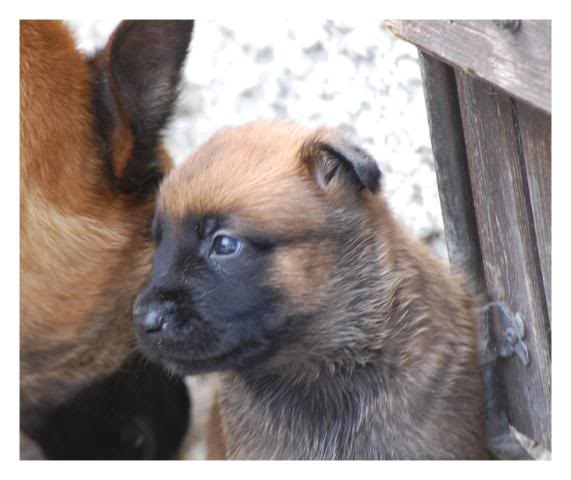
(278, 263)
(91, 161)
(137, 413)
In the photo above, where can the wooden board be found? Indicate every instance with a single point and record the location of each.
(535, 133)
(516, 62)
(447, 138)
(511, 261)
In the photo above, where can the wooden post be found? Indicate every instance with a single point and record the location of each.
(488, 97)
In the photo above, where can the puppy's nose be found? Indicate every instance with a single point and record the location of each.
(149, 317)
(152, 320)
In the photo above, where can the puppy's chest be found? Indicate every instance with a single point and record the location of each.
(274, 426)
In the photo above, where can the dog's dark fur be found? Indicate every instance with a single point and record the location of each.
(91, 160)
(137, 413)
(338, 335)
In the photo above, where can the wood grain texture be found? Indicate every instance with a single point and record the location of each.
(508, 245)
(535, 133)
(518, 63)
(447, 136)
(452, 175)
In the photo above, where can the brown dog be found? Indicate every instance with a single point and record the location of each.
(278, 262)
(91, 160)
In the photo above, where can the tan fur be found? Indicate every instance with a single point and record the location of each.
(261, 170)
(83, 249)
(399, 323)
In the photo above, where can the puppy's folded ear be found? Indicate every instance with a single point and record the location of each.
(336, 164)
(136, 79)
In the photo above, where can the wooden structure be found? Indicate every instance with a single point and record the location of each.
(488, 95)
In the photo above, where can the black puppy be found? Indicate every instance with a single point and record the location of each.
(138, 413)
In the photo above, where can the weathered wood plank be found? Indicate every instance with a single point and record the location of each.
(452, 175)
(507, 241)
(518, 63)
(447, 137)
(535, 133)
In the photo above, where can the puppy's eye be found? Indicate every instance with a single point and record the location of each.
(225, 245)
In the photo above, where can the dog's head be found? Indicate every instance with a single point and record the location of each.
(266, 251)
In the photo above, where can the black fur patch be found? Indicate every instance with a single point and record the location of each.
(138, 413)
(201, 332)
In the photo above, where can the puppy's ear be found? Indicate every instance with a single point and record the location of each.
(336, 164)
(136, 78)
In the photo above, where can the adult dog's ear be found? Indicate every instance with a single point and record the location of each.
(136, 78)
(337, 165)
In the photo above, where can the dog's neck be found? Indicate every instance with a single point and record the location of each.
(330, 404)
(335, 416)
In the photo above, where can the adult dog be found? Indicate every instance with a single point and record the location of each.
(91, 160)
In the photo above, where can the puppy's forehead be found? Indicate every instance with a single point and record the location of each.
(252, 171)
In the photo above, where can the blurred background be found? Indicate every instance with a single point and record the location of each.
(354, 76)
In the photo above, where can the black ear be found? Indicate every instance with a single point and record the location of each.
(136, 79)
(336, 163)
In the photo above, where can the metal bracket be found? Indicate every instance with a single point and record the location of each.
(508, 330)
(503, 332)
